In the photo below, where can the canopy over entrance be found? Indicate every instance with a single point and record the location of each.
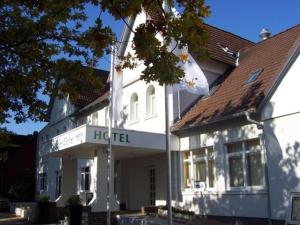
(82, 142)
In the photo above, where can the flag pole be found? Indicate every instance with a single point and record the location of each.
(109, 149)
(168, 151)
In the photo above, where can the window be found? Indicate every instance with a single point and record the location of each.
(245, 163)
(152, 186)
(95, 118)
(57, 183)
(254, 75)
(85, 179)
(199, 168)
(134, 107)
(150, 101)
(43, 181)
(3, 155)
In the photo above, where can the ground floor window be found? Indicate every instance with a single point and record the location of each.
(152, 186)
(57, 183)
(199, 168)
(43, 181)
(245, 163)
(85, 179)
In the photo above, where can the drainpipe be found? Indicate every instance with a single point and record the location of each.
(260, 126)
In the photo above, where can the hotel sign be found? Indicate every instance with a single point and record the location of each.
(87, 134)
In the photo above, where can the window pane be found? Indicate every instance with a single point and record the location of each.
(198, 153)
(82, 181)
(87, 182)
(211, 175)
(186, 154)
(295, 209)
(210, 151)
(236, 171)
(253, 145)
(254, 170)
(200, 171)
(235, 147)
(153, 104)
(187, 174)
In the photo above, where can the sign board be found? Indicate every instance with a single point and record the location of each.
(87, 134)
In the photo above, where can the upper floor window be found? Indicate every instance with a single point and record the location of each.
(199, 168)
(245, 163)
(134, 107)
(43, 181)
(95, 118)
(150, 101)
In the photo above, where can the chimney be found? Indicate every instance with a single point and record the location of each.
(264, 34)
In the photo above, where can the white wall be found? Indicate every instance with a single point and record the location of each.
(221, 200)
(282, 121)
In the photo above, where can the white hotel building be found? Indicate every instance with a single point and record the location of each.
(224, 164)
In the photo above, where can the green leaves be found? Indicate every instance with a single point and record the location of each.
(44, 42)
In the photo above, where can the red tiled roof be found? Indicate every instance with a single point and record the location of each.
(89, 94)
(232, 41)
(234, 95)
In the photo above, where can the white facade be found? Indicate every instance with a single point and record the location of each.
(69, 144)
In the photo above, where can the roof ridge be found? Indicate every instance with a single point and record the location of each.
(228, 32)
(276, 35)
(270, 38)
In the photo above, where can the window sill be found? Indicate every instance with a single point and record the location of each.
(134, 122)
(198, 190)
(150, 116)
(247, 190)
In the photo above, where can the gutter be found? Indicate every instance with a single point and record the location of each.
(221, 119)
(260, 126)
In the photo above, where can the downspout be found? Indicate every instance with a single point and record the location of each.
(260, 126)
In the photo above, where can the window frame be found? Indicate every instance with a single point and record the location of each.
(43, 181)
(151, 109)
(244, 152)
(58, 183)
(134, 107)
(192, 160)
(83, 175)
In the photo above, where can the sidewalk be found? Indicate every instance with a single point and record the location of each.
(11, 219)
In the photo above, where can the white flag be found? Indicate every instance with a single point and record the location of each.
(117, 91)
(194, 80)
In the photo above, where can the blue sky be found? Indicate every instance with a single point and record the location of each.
(245, 18)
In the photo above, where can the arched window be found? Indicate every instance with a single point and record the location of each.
(150, 101)
(134, 107)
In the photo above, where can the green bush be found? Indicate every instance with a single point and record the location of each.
(74, 200)
(42, 198)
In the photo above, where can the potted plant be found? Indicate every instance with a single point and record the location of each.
(74, 210)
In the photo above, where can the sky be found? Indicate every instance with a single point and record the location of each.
(244, 18)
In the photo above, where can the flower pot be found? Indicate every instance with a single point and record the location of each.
(74, 214)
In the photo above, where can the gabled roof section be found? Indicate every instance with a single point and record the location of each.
(232, 41)
(90, 93)
(234, 94)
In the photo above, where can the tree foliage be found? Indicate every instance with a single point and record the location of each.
(44, 42)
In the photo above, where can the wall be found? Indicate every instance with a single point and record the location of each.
(281, 116)
(221, 200)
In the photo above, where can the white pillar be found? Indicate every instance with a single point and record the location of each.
(68, 180)
(99, 203)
